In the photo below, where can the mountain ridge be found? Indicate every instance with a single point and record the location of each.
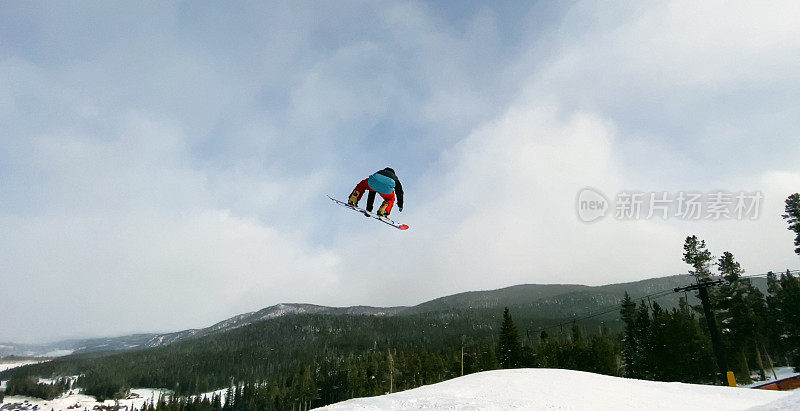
(273, 311)
(542, 300)
(514, 295)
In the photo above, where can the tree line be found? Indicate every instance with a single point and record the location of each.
(31, 387)
(758, 331)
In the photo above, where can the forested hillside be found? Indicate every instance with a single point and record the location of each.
(554, 301)
(302, 360)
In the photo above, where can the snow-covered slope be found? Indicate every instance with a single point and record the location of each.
(550, 389)
(78, 346)
(790, 402)
(9, 364)
(79, 401)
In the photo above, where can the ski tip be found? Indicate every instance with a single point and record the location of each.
(403, 227)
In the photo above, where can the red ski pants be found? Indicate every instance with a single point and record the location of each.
(388, 199)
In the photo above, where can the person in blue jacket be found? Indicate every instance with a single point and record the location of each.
(385, 183)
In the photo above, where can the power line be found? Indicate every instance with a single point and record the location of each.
(610, 309)
(777, 273)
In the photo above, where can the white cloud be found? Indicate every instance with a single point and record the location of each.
(107, 274)
(185, 161)
(500, 210)
(131, 231)
(110, 219)
(499, 206)
(681, 45)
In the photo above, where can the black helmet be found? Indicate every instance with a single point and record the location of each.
(389, 169)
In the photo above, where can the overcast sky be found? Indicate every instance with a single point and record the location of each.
(164, 165)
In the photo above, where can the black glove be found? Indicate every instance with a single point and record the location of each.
(400, 208)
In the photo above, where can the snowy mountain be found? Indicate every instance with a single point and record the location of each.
(514, 295)
(555, 301)
(275, 311)
(552, 300)
(81, 346)
(554, 389)
(565, 297)
(76, 346)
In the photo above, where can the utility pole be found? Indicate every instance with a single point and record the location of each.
(719, 351)
(462, 354)
(462, 360)
(391, 371)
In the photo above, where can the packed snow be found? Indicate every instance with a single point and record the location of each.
(7, 365)
(512, 389)
(75, 399)
(79, 401)
(790, 402)
(58, 353)
(566, 390)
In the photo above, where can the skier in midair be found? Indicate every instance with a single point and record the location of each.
(384, 182)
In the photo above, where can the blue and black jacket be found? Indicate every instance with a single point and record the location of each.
(398, 188)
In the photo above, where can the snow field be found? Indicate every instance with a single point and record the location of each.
(554, 389)
(86, 401)
(551, 389)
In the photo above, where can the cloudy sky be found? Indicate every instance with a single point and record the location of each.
(165, 165)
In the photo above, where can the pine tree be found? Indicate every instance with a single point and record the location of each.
(696, 255)
(577, 336)
(605, 352)
(773, 318)
(740, 310)
(509, 349)
(660, 345)
(692, 355)
(644, 348)
(308, 388)
(487, 360)
(792, 216)
(784, 312)
(630, 344)
(229, 397)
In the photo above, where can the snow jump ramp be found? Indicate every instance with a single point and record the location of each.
(554, 389)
